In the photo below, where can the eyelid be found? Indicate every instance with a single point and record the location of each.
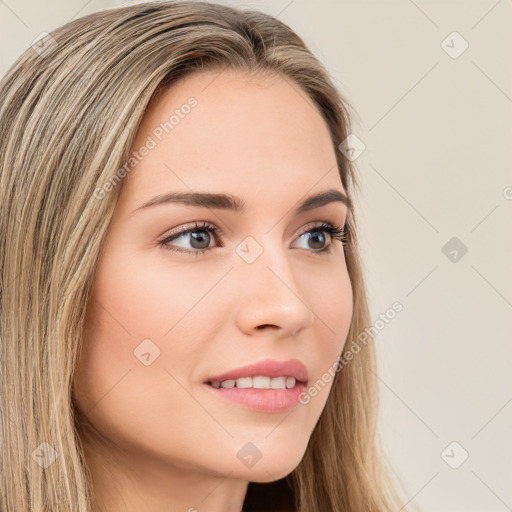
(186, 228)
(320, 225)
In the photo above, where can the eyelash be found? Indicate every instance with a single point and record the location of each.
(334, 232)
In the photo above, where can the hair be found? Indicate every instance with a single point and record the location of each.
(69, 113)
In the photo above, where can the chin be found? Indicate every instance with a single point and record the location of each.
(268, 474)
(273, 466)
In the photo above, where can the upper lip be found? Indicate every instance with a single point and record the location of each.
(267, 368)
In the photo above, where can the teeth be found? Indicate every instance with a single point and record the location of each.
(257, 382)
(227, 384)
(244, 382)
(290, 382)
(261, 382)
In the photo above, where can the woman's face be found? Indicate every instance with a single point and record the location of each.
(162, 322)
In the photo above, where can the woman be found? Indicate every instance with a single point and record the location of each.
(147, 369)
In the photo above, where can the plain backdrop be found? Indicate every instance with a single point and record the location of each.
(432, 86)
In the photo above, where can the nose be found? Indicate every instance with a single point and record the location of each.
(271, 300)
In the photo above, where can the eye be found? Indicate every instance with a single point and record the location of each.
(316, 237)
(202, 237)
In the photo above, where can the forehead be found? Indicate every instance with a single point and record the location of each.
(233, 132)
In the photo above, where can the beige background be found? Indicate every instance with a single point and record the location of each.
(437, 165)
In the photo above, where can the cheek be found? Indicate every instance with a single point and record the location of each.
(332, 304)
(130, 311)
(138, 355)
(340, 298)
(150, 296)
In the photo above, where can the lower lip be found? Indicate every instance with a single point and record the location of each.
(262, 400)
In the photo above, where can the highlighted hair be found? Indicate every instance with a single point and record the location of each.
(68, 116)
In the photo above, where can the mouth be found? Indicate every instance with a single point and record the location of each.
(257, 382)
(268, 386)
(261, 400)
(266, 374)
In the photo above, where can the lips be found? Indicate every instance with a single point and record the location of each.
(267, 368)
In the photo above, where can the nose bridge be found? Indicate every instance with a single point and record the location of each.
(270, 291)
(266, 260)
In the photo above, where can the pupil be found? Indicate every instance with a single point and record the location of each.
(201, 238)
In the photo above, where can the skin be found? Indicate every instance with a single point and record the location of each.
(159, 441)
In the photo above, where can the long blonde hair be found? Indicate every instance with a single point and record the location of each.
(69, 110)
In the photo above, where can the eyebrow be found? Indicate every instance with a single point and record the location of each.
(236, 204)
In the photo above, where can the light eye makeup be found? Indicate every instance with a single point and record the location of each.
(205, 230)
